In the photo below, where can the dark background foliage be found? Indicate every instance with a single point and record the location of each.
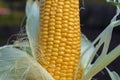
(95, 16)
(94, 19)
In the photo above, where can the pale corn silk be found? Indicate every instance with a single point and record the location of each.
(19, 61)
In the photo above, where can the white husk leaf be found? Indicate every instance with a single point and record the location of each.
(18, 65)
(113, 75)
(32, 26)
(85, 43)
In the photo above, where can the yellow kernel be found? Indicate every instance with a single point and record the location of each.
(52, 62)
(46, 17)
(50, 39)
(69, 74)
(65, 14)
(64, 24)
(45, 21)
(63, 73)
(67, 2)
(52, 24)
(58, 30)
(48, 2)
(67, 6)
(50, 70)
(52, 32)
(65, 63)
(45, 36)
(48, 51)
(58, 22)
(69, 78)
(59, 10)
(47, 6)
(58, 18)
(53, 66)
(59, 15)
(56, 45)
(57, 72)
(62, 44)
(47, 10)
(59, 26)
(54, 54)
(50, 43)
(51, 28)
(52, 16)
(44, 33)
(66, 59)
(65, 18)
(52, 20)
(58, 65)
(43, 40)
(71, 17)
(46, 14)
(64, 34)
(64, 67)
(64, 40)
(45, 25)
(70, 67)
(59, 60)
(61, 53)
(68, 51)
(56, 41)
(70, 43)
(54, 4)
(57, 37)
(65, 30)
(60, 57)
(60, 7)
(57, 77)
(71, 63)
(61, 3)
(55, 49)
(47, 59)
(49, 46)
(52, 73)
(69, 47)
(47, 56)
(66, 10)
(70, 71)
(71, 23)
(44, 29)
(53, 58)
(63, 78)
(67, 55)
(62, 48)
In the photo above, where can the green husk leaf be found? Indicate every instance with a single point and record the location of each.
(102, 62)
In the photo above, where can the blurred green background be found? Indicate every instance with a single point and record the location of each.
(12, 13)
(94, 18)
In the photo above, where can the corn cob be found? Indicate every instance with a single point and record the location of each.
(59, 38)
